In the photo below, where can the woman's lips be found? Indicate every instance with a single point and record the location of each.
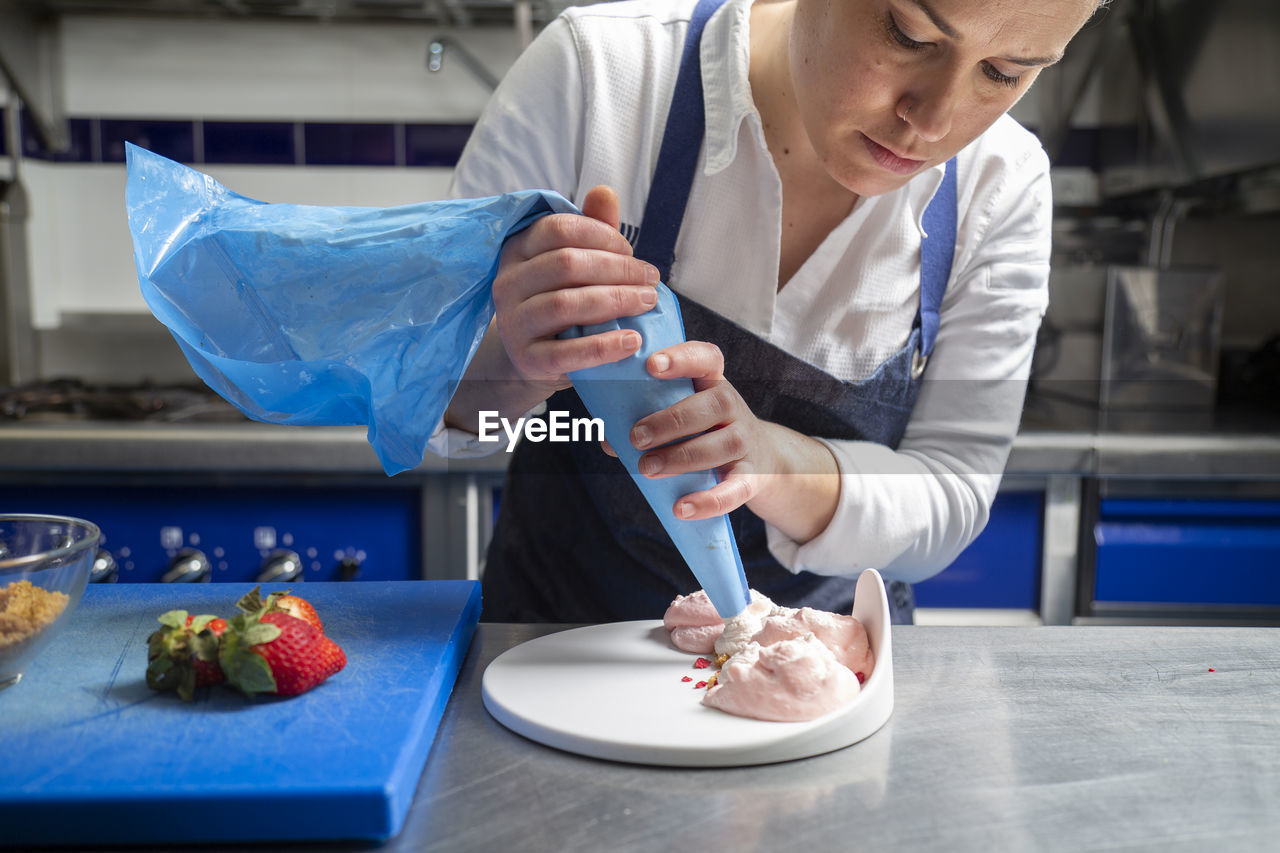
(888, 160)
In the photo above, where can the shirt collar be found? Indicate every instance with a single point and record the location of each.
(921, 191)
(726, 89)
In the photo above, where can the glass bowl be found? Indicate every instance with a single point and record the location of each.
(45, 562)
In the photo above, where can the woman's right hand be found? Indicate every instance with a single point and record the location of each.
(564, 270)
(567, 270)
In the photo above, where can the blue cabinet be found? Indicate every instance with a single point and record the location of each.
(1001, 568)
(1187, 552)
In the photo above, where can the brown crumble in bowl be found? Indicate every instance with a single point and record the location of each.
(26, 610)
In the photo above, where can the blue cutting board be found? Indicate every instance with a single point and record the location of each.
(90, 754)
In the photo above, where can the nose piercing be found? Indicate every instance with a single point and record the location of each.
(905, 111)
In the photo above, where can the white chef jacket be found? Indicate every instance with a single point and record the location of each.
(586, 104)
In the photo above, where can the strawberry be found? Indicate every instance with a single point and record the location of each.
(273, 652)
(298, 607)
(208, 672)
(281, 602)
(182, 654)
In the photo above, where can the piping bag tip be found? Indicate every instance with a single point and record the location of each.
(623, 392)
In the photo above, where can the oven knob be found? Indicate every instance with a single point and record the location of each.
(104, 568)
(348, 569)
(189, 566)
(281, 566)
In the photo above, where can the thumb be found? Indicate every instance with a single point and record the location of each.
(602, 203)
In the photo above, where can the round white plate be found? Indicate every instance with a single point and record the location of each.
(614, 691)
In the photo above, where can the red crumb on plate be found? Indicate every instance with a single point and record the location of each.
(686, 678)
(699, 685)
(701, 663)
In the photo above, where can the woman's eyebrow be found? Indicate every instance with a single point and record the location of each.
(938, 21)
(950, 32)
(1033, 61)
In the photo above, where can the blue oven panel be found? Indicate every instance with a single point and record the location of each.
(336, 533)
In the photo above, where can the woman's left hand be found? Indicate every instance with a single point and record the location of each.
(714, 429)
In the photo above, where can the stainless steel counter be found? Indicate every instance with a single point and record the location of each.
(1056, 738)
(1001, 739)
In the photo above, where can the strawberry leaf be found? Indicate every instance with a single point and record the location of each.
(205, 646)
(173, 618)
(157, 669)
(199, 623)
(187, 683)
(253, 676)
(243, 667)
(258, 633)
(251, 601)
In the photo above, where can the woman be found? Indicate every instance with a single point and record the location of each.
(858, 379)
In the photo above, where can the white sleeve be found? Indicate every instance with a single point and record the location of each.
(529, 136)
(910, 512)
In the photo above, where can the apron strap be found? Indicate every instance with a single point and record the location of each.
(936, 253)
(678, 154)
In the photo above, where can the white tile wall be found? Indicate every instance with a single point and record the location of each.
(79, 248)
(269, 69)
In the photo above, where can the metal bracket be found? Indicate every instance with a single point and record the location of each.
(30, 48)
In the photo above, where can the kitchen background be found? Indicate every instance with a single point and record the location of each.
(1145, 485)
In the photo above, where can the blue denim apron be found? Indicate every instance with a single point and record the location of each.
(575, 540)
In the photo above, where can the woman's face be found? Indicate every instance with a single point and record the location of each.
(952, 67)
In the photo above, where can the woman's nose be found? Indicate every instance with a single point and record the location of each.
(930, 107)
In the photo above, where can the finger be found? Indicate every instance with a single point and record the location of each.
(737, 488)
(547, 314)
(708, 409)
(568, 268)
(565, 230)
(549, 360)
(608, 448)
(697, 360)
(601, 204)
(708, 451)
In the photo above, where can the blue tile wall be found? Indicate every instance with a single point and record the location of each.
(83, 139)
(350, 144)
(173, 139)
(263, 142)
(434, 144)
(101, 140)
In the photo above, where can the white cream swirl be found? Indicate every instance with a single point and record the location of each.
(738, 630)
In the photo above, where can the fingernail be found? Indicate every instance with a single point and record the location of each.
(651, 274)
(650, 465)
(641, 436)
(649, 298)
(631, 340)
(661, 362)
(684, 509)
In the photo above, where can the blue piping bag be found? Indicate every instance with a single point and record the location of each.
(312, 315)
(301, 314)
(623, 392)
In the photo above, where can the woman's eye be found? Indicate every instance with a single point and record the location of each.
(896, 33)
(1003, 79)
